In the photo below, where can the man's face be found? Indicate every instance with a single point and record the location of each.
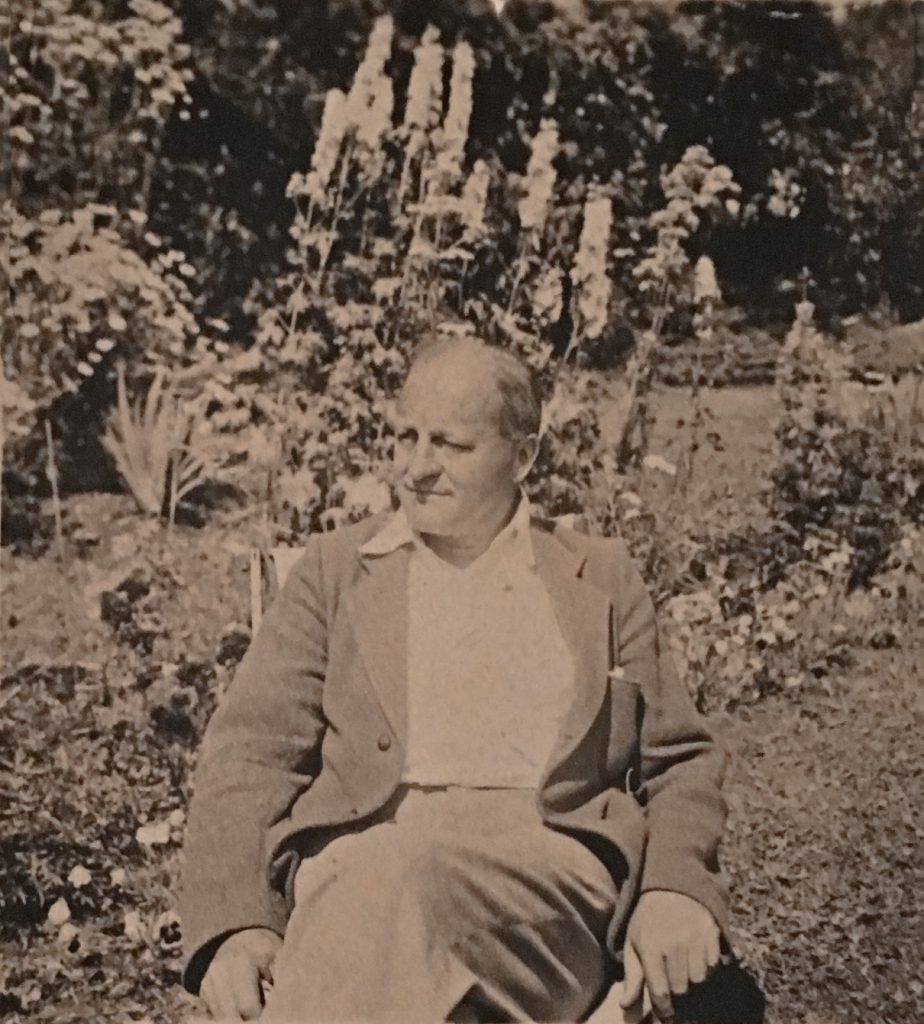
(454, 471)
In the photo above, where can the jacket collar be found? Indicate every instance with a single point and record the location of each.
(396, 533)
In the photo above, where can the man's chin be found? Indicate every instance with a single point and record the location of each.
(425, 516)
(425, 521)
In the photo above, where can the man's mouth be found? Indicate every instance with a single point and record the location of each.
(420, 492)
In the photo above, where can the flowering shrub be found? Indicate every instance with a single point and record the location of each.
(392, 242)
(88, 101)
(396, 236)
(838, 479)
(83, 299)
(735, 641)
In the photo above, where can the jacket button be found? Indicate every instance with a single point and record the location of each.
(384, 741)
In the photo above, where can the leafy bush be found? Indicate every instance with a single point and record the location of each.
(810, 112)
(838, 478)
(82, 299)
(88, 98)
(397, 237)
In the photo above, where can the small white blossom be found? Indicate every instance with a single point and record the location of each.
(705, 285)
(658, 462)
(79, 876)
(157, 834)
(133, 926)
(59, 913)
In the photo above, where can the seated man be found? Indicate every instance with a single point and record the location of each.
(456, 771)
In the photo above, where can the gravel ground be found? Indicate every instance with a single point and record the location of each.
(825, 846)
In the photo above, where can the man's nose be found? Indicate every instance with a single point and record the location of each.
(423, 462)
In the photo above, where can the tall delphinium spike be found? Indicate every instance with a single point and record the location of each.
(313, 186)
(589, 277)
(474, 201)
(454, 133)
(424, 102)
(539, 184)
(370, 101)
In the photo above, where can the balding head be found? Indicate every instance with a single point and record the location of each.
(516, 403)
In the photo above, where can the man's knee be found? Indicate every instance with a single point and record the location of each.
(451, 882)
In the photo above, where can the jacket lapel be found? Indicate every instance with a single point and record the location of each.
(379, 609)
(583, 612)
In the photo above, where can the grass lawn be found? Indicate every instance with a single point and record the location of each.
(110, 667)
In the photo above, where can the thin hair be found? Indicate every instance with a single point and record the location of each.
(520, 407)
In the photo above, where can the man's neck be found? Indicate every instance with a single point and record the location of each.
(462, 551)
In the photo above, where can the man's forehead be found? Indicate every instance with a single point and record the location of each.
(452, 381)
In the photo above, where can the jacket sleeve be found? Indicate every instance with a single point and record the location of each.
(682, 764)
(257, 756)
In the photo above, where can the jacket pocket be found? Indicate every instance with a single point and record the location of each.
(623, 747)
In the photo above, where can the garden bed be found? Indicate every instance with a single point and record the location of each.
(112, 664)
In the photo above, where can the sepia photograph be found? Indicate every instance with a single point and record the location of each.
(462, 512)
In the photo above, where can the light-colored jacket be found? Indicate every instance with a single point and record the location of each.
(309, 738)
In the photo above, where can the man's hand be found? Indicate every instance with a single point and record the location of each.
(231, 986)
(672, 943)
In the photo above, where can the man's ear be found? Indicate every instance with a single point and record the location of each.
(526, 455)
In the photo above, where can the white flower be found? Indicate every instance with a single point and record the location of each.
(705, 285)
(67, 934)
(540, 176)
(425, 86)
(157, 834)
(589, 276)
(658, 462)
(367, 491)
(177, 818)
(132, 926)
(455, 125)
(79, 876)
(117, 876)
(59, 913)
(117, 322)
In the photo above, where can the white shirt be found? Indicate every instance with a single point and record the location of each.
(490, 676)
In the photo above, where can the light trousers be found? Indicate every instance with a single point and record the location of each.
(458, 899)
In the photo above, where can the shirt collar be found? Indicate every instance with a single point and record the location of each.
(396, 533)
